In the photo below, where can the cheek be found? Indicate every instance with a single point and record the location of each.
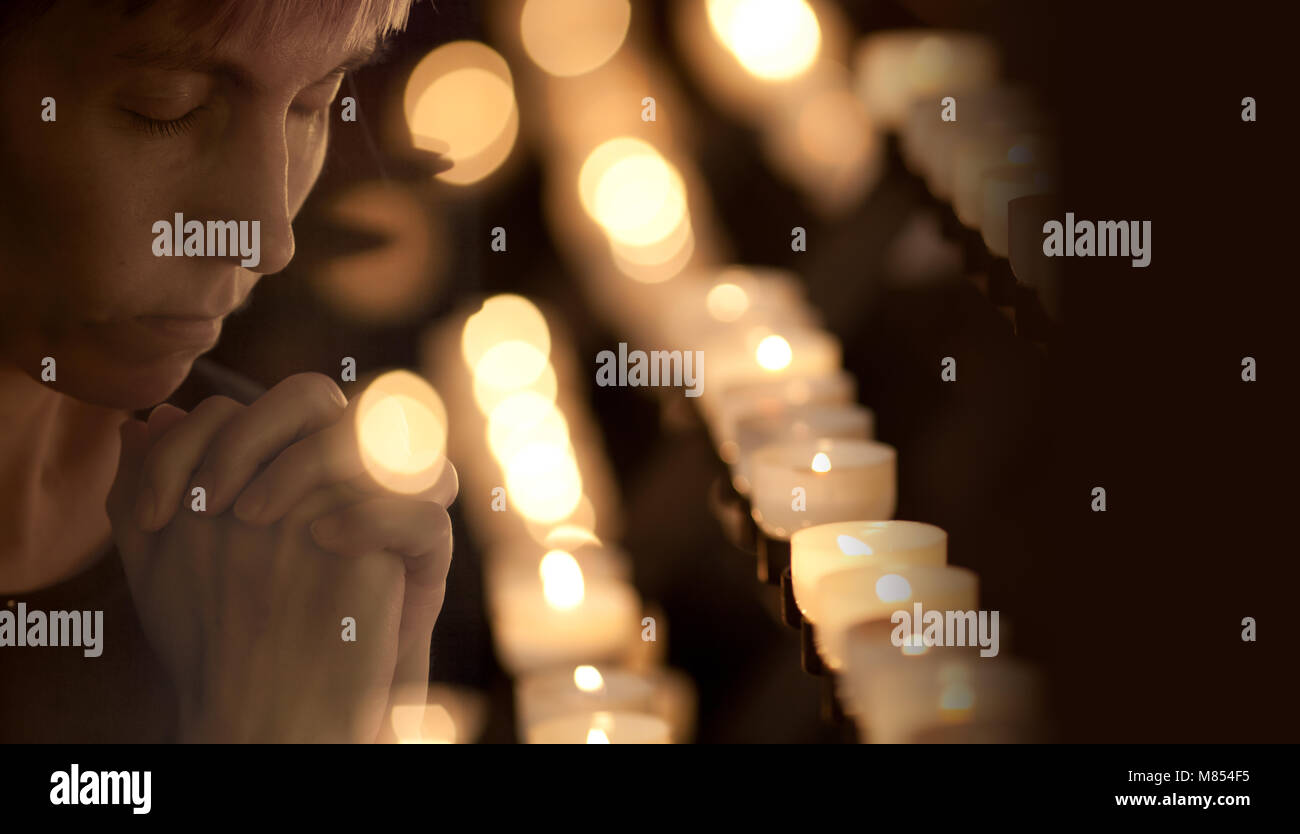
(308, 141)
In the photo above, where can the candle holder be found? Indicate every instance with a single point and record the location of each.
(1002, 283)
(832, 711)
(790, 614)
(1032, 322)
(773, 558)
(732, 510)
(809, 659)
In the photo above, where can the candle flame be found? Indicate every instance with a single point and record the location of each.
(956, 701)
(821, 463)
(595, 736)
(562, 583)
(588, 679)
(772, 39)
(773, 353)
(727, 302)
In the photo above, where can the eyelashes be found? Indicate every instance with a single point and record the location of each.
(169, 128)
(165, 127)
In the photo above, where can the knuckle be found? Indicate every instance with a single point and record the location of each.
(321, 391)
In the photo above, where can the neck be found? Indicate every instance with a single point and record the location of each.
(57, 458)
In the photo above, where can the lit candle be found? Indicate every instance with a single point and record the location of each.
(697, 304)
(771, 397)
(1000, 696)
(827, 548)
(601, 728)
(797, 485)
(894, 67)
(1000, 143)
(558, 618)
(586, 689)
(764, 353)
(936, 149)
(850, 596)
(447, 715)
(849, 421)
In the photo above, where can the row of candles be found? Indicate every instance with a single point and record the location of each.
(585, 652)
(631, 213)
(780, 408)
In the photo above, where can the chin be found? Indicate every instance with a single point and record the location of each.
(114, 383)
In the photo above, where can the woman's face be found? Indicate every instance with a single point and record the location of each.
(148, 125)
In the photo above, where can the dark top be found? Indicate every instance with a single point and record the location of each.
(57, 694)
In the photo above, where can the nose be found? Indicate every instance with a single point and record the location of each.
(253, 183)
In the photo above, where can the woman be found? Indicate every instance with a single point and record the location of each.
(235, 623)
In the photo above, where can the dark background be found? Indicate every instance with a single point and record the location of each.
(1134, 613)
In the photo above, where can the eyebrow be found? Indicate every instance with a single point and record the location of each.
(192, 57)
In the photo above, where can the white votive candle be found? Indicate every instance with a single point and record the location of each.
(601, 728)
(847, 597)
(586, 689)
(808, 422)
(771, 397)
(564, 620)
(826, 548)
(999, 186)
(800, 484)
(911, 697)
(697, 304)
(893, 67)
(764, 353)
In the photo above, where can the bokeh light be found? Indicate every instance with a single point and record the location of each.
(573, 37)
(460, 100)
(401, 426)
(772, 39)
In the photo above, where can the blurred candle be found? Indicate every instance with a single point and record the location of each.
(844, 598)
(460, 99)
(544, 696)
(1001, 695)
(826, 548)
(936, 149)
(559, 618)
(808, 422)
(1025, 218)
(838, 479)
(573, 37)
(601, 728)
(771, 397)
(894, 67)
(766, 353)
(1000, 143)
(998, 187)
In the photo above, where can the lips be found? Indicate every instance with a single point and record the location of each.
(148, 338)
(187, 329)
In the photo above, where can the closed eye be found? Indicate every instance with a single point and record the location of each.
(164, 127)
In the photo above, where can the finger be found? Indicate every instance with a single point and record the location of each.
(327, 457)
(408, 527)
(299, 406)
(121, 496)
(174, 457)
(161, 420)
(420, 532)
(330, 456)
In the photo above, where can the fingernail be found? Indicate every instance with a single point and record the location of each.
(145, 509)
(250, 504)
(326, 530)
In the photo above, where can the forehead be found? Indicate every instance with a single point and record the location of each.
(185, 32)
